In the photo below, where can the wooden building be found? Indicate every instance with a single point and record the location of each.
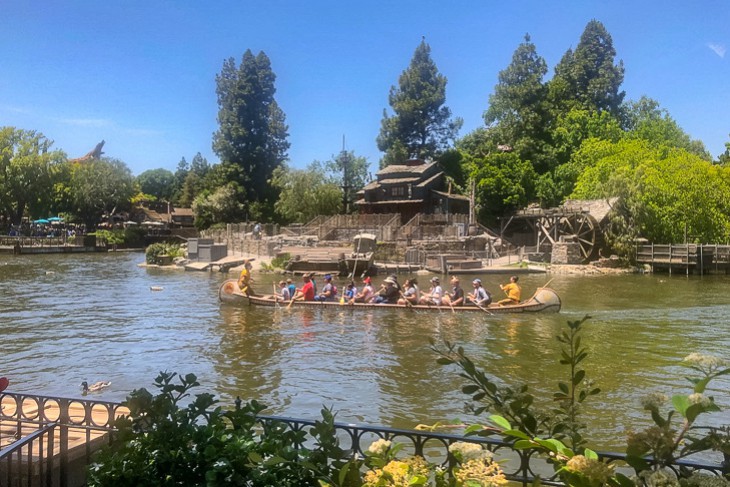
(408, 189)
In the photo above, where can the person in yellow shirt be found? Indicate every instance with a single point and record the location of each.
(244, 280)
(513, 291)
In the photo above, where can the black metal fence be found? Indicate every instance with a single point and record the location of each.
(49, 441)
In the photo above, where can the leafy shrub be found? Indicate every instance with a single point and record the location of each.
(280, 260)
(154, 251)
(164, 443)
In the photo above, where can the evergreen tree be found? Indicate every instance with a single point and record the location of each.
(518, 110)
(724, 158)
(349, 172)
(421, 126)
(252, 138)
(587, 77)
(180, 174)
(195, 181)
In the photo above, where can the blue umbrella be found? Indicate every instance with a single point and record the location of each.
(42, 220)
(55, 219)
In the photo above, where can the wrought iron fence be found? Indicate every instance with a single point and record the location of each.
(28, 462)
(521, 466)
(49, 441)
(77, 428)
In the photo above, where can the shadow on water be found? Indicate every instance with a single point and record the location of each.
(94, 317)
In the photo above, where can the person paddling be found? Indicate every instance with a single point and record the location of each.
(480, 296)
(513, 291)
(456, 296)
(435, 295)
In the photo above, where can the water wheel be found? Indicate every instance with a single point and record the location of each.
(581, 228)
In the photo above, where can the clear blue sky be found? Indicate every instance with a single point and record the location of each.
(141, 74)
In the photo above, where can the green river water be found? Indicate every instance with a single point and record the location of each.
(68, 318)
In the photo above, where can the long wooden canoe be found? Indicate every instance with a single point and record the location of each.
(544, 300)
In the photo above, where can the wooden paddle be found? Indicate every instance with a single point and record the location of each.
(546, 284)
(409, 305)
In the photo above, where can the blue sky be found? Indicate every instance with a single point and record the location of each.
(140, 74)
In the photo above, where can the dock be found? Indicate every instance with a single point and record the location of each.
(684, 258)
(221, 265)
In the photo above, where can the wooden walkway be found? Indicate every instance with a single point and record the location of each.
(685, 258)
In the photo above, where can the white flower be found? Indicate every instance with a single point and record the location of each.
(653, 400)
(379, 447)
(698, 398)
(469, 451)
(706, 363)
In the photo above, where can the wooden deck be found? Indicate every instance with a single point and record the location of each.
(89, 427)
(685, 258)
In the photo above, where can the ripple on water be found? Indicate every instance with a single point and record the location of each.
(93, 317)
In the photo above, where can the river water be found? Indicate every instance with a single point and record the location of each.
(69, 318)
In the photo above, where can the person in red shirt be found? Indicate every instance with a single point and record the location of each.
(306, 292)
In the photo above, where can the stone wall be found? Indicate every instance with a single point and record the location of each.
(566, 253)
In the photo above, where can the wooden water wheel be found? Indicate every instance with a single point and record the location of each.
(584, 229)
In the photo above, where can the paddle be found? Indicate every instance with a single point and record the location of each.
(546, 284)
(409, 305)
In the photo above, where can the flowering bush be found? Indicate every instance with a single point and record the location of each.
(475, 467)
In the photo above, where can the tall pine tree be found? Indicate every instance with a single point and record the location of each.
(421, 126)
(252, 139)
(587, 77)
(518, 114)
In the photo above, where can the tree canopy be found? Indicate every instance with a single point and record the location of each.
(252, 135)
(27, 169)
(421, 126)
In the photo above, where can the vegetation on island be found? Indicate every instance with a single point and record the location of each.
(544, 140)
(173, 439)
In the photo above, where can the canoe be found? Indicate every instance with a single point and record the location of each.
(544, 300)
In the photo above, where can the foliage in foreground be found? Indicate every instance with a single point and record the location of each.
(558, 433)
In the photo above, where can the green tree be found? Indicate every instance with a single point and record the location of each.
(348, 171)
(504, 183)
(196, 181)
(587, 77)
(724, 158)
(646, 120)
(307, 193)
(26, 173)
(101, 186)
(252, 134)
(221, 205)
(518, 110)
(667, 194)
(157, 182)
(421, 126)
(181, 173)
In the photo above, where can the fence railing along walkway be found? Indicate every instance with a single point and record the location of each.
(49, 441)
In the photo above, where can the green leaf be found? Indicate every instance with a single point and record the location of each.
(470, 389)
(579, 375)
(563, 387)
(549, 444)
(254, 457)
(516, 434)
(523, 445)
(590, 454)
(680, 403)
(500, 421)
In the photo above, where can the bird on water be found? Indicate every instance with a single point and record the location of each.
(97, 386)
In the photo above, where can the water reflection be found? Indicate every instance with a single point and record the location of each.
(93, 317)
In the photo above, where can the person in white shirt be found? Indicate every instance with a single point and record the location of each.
(434, 295)
(480, 296)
